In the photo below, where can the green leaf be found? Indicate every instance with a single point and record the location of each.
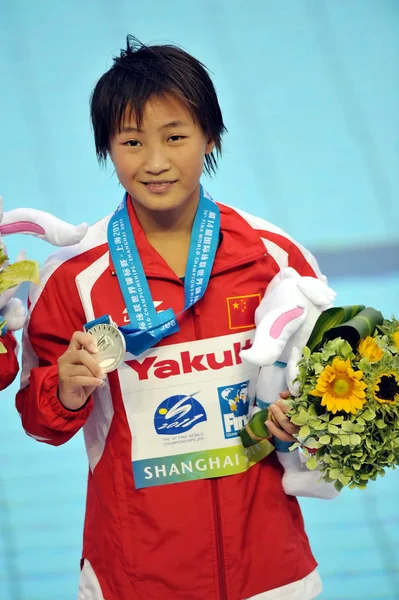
(294, 446)
(355, 439)
(345, 440)
(344, 479)
(357, 428)
(346, 426)
(334, 473)
(304, 432)
(328, 319)
(318, 425)
(3, 349)
(337, 421)
(325, 439)
(312, 442)
(318, 368)
(357, 327)
(364, 365)
(297, 420)
(311, 463)
(301, 418)
(338, 486)
(368, 414)
(333, 428)
(336, 441)
(380, 424)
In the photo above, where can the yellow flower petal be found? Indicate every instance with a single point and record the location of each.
(368, 348)
(396, 339)
(340, 387)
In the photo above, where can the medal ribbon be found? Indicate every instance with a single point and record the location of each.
(147, 327)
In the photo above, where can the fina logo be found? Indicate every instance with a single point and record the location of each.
(233, 400)
(178, 414)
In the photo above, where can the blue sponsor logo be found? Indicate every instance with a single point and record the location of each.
(233, 400)
(178, 414)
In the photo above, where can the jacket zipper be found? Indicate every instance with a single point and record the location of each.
(197, 327)
(215, 493)
(219, 543)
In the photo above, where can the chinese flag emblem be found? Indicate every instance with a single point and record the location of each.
(241, 311)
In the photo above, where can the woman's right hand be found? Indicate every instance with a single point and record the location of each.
(79, 373)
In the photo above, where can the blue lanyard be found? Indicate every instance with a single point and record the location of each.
(147, 327)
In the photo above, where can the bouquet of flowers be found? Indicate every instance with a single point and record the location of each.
(12, 275)
(347, 406)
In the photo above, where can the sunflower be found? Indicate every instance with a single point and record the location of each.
(395, 336)
(340, 387)
(368, 348)
(386, 388)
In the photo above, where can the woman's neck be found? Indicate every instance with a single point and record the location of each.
(177, 221)
(169, 232)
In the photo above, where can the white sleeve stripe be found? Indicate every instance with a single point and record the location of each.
(261, 224)
(30, 360)
(276, 252)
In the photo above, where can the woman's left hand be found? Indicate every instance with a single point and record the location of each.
(284, 429)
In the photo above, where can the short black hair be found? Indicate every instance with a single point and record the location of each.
(140, 72)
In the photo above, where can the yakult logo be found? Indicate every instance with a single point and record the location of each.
(187, 362)
(178, 414)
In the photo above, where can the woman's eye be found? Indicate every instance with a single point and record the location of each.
(132, 143)
(176, 138)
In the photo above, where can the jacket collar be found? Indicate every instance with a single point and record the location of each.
(240, 244)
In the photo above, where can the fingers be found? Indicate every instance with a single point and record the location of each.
(279, 433)
(278, 411)
(80, 358)
(82, 339)
(282, 427)
(76, 370)
(80, 362)
(86, 381)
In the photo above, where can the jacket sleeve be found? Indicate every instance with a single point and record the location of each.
(287, 252)
(8, 361)
(55, 313)
(304, 262)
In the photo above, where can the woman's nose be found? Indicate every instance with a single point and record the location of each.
(156, 161)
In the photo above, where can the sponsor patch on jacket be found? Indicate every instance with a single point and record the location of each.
(176, 362)
(233, 400)
(178, 414)
(241, 311)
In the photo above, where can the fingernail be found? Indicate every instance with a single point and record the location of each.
(272, 407)
(93, 348)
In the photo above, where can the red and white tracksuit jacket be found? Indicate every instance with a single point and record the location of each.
(8, 361)
(228, 538)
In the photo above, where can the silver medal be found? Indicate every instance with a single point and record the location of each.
(111, 345)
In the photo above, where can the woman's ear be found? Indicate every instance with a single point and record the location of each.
(209, 146)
